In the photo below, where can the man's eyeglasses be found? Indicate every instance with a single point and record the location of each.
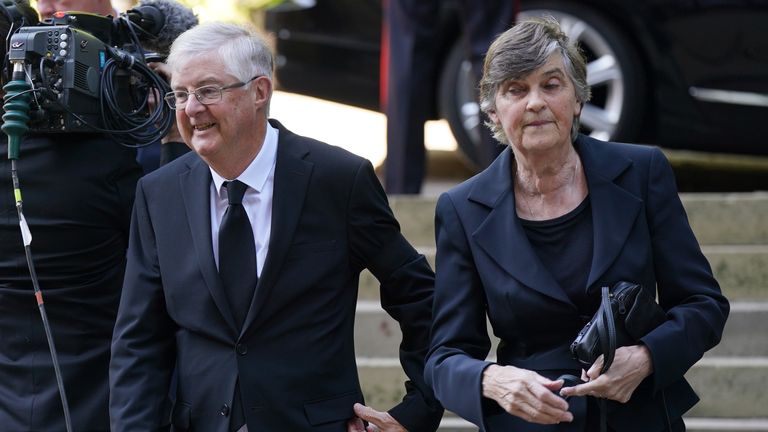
(206, 95)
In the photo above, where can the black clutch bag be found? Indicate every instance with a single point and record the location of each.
(626, 313)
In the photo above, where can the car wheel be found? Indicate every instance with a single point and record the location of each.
(457, 104)
(614, 73)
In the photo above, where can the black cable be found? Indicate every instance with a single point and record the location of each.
(27, 239)
(133, 125)
(132, 27)
(153, 84)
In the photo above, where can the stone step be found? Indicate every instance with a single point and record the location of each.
(717, 219)
(746, 331)
(451, 423)
(745, 334)
(729, 388)
(735, 218)
(704, 424)
(742, 271)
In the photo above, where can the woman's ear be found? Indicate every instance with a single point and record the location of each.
(492, 115)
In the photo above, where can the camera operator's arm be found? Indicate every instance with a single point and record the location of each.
(173, 146)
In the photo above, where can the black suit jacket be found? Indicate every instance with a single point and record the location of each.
(77, 191)
(486, 266)
(295, 355)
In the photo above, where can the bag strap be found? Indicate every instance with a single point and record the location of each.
(606, 328)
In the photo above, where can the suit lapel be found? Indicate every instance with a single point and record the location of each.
(614, 209)
(292, 174)
(195, 189)
(502, 236)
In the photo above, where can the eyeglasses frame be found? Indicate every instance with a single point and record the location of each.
(194, 92)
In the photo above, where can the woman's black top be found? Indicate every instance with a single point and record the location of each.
(564, 246)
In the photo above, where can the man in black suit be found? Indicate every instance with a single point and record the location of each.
(260, 339)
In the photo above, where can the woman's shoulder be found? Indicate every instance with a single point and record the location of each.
(615, 157)
(608, 149)
(489, 184)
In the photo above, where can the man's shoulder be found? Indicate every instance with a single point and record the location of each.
(315, 150)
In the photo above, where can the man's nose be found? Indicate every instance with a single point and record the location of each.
(193, 105)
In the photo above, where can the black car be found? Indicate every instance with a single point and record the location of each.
(690, 74)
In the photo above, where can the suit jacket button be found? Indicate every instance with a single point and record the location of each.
(241, 349)
(224, 411)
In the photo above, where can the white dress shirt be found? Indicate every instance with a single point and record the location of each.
(260, 178)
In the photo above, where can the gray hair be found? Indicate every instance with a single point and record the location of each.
(243, 51)
(521, 50)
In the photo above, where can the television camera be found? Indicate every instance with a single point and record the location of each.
(88, 73)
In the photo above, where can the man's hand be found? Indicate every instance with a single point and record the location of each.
(377, 421)
(630, 367)
(526, 394)
(161, 69)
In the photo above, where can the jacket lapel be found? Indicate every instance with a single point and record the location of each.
(502, 236)
(195, 189)
(292, 174)
(614, 209)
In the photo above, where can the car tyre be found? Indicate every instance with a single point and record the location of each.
(457, 103)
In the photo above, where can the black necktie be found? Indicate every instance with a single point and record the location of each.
(237, 267)
(237, 253)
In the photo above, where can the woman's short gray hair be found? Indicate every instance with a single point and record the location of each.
(243, 51)
(521, 50)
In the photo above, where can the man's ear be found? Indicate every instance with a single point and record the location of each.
(262, 90)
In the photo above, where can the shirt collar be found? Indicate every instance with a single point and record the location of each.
(257, 173)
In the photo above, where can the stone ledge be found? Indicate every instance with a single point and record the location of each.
(451, 423)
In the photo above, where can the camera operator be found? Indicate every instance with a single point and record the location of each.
(78, 192)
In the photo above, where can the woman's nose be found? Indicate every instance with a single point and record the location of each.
(535, 100)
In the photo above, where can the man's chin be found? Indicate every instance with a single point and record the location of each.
(204, 147)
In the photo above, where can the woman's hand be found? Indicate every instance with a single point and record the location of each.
(631, 365)
(526, 394)
(378, 421)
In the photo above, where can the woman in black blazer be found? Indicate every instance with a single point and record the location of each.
(528, 244)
